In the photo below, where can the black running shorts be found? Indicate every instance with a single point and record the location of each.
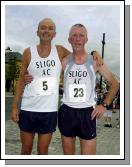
(74, 122)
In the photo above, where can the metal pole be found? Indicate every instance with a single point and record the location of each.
(103, 43)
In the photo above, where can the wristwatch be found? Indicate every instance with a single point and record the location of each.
(93, 52)
(105, 105)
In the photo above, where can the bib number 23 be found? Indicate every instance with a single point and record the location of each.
(79, 92)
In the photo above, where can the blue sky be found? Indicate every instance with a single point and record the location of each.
(21, 23)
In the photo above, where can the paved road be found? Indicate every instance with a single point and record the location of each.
(108, 139)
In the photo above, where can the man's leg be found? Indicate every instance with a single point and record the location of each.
(68, 144)
(109, 118)
(105, 115)
(27, 142)
(43, 143)
(88, 147)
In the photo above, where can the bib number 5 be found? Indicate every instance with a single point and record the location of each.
(45, 86)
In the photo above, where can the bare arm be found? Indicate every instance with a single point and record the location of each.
(62, 52)
(64, 63)
(20, 86)
(97, 58)
(114, 86)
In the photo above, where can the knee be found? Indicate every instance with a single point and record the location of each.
(42, 150)
(69, 150)
(26, 149)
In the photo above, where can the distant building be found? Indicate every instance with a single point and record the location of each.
(11, 55)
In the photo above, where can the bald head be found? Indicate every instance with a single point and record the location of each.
(47, 21)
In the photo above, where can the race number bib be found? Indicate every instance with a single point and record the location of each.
(77, 93)
(44, 86)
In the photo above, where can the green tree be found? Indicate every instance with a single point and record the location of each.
(12, 71)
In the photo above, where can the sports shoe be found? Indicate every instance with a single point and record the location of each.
(110, 126)
(106, 125)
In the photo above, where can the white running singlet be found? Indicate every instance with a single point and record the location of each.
(41, 95)
(79, 84)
